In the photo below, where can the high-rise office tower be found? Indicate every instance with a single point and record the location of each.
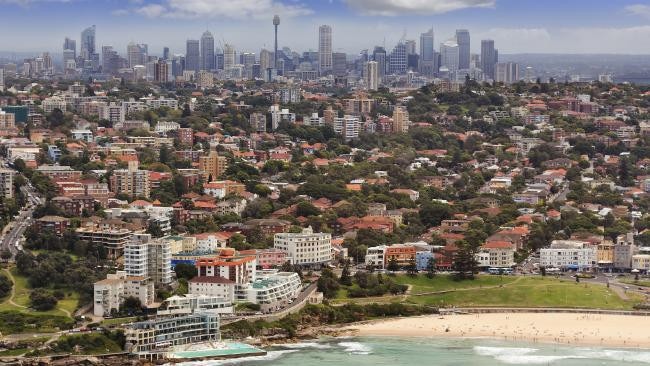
(207, 51)
(488, 58)
(462, 38)
(371, 75)
(411, 47)
(427, 53)
(193, 55)
(161, 73)
(276, 23)
(248, 60)
(325, 48)
(399, 59)
(339, 64)
(136, 54)
(165, 53)
(506, 72)
(71, 46)
(229, 56)
(2, 79)
(266, 60)
(379, 55)
(450, 55)
(88, 42)
(107, 52)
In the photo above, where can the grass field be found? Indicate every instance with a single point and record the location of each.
(522, 292)
(422, 284)
(631, 281)
(117, 321)
(65, 306)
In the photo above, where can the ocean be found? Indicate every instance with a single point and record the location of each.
(391, 351)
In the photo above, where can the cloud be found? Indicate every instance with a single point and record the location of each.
(240, 9)
(638, 9)
(27, 2)
(424, 7)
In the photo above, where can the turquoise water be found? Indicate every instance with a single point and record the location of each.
(435, 352)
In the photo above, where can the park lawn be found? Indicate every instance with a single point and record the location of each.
(631, 281)
(21, 298)
(117, 321)
(534, 292)
(421, 284)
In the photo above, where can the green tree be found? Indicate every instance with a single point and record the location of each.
(42, 300)
(412, 268)
(346, 279)
(393, 266)
(185, 271)
(431, 267)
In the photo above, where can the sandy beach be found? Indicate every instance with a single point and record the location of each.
(573, 329)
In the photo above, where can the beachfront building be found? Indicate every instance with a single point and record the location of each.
(422, 259)
(306, 248)
(148, 258)
(152, 339)
(272, 290)
(569, 255)
(496, 254)
(403, 254)
(641, 262)
(375, 256)
(109, 294)
(214, 286)
(191, 303)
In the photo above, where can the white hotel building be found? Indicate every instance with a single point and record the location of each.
(569, 254)
(305, 249)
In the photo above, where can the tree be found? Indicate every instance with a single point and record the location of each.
(185, 271)
(346, 279)
(412, 268)
(465, 263)
(5, 255)
(132, 303)
(186, 111)
(432, 214)
(42, 300)
(327, 284)
(393, 266)
(306, 209)
(155, 230)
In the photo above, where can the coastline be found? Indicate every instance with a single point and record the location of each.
(601, 330)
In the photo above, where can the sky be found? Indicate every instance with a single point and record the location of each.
(517, 26)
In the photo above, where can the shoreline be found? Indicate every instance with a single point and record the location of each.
(601, 330)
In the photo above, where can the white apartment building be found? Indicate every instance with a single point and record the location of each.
(6, 183)
(272, 289)
(306, 248)
(148, 258)
(375, 256)
(569, 254)
(641, 262)
(110, 293)
(166, 126)
(83, 135)
(113, 112)
(52, 103)
(280, 115)
(496, 254)
(348, 126)
(215, 286)
(190, 303)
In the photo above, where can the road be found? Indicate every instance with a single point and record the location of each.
(12, 234)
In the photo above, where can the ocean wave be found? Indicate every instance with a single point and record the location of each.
(270, 356)
(356, 348)
(304, 345)
(501, 351)
(618, 355)
(532, 359)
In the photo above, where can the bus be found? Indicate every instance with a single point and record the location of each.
(500, 271)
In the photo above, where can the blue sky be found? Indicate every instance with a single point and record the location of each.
(543, 26)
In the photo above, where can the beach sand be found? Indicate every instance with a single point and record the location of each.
(573, 329)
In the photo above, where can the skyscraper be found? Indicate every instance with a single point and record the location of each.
(339, 64)
(88, 42)
(462, 38)
(427, 53)
(371, 75)
(207, 51)
(161, 73)
(450, 55)
(506, 72)
(192, 55)
(324, 48)
(165, 53)
(379, 55)
(229, 56)
(488, 58)
(70, 44)
(136, 54)
(399, 59)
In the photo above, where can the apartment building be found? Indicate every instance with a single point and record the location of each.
(110, 293)
(306, 248)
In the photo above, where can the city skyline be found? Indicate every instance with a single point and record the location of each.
(610, 27)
